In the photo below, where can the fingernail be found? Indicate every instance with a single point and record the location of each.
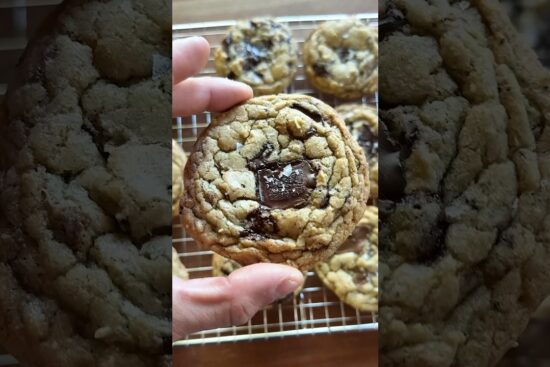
(286, 287)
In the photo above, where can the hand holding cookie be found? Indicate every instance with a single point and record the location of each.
(221, 301)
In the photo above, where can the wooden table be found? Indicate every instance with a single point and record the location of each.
(358, 349)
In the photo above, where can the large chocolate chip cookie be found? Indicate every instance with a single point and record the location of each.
(278, 179)
(464, 183)
(85, 219)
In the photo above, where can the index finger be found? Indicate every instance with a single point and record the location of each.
(189, 56)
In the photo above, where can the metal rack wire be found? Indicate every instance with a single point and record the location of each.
(316, 310)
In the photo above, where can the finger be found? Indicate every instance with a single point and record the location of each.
(189, 56)
(196, 95)
(209, 303)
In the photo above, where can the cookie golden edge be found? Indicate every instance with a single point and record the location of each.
(251, 255)
(179, 160)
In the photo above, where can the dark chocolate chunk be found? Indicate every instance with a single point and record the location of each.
(310, 132)
(231, 75)
(253, 55)
(433, 242)
(325, 201)
(314, 115)
(391, 176)
(360, 278)
(320, 70)
(286, 185)
(267, 44)
(259, 222)
(261, 160)
(226, 42)
(392, 21)
(343, 53)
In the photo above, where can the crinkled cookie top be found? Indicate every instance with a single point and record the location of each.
(464, 190)
(277, 179)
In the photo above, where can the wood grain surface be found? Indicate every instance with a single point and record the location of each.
(357, 349)
(191, 11)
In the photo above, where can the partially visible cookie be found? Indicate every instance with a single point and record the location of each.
(362, 122)
(341, 58)
(277, 179)
(222, 266)
(352, 272)
(259, 52)
(178, 269)
(179, 159)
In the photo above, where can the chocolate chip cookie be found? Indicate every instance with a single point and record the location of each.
(261, 53)
(222, 266)
(179, 159)
(85, 212)
(464, 183)
(362, 123)
(352, 272)
(178, 269)
(277, 179)
(341, 58)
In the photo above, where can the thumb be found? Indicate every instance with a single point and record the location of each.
(209, 303)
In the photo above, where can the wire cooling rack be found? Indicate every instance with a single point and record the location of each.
(316, 310)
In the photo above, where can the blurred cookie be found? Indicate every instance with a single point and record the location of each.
(277, 179)
(352, 272)
(341, 58)
(362, 123)
(85, 275)
(261, 53)
(179, 159)
(178, 269)
(464, 183)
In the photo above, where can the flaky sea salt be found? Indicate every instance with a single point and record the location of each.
(287, 171)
